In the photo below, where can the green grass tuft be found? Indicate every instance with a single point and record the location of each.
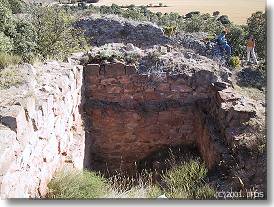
(77, 185)
(10, 76)
(186, 181)
(7, 60)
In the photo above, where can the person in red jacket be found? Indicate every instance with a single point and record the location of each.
(250, 49)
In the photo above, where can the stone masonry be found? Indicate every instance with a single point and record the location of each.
(129, 115)
(40, 129)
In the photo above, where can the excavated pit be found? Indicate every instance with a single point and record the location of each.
(166, 158)
(130, 116)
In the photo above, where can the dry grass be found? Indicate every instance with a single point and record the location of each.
(89, 185)
(140, 186)
(141, 191)
(9, 77)
(8, 59)
(250, 92)
(185, 181)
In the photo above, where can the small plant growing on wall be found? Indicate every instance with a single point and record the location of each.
(170, 30)
(235, 62)
(154, 55)
(132, 57)
(116, 55)
(107, 55)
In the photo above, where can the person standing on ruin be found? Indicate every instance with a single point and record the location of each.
(250, 49)
(222, 42)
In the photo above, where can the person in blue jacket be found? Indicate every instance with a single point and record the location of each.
(223, 43)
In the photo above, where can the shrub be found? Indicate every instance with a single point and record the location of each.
(10, 77)
(17, 36)
(5, 15)
(110, 55)
(237, 39)
(77, 185)
(216, 13)
(193, 24)
(7, 59)
(191, 14)
(170, 30)
(116, 9)
(235, 62)
(186, 181)
(5, 43)
(134, 14)
(16, 6)
(132, 57)
(257, 26)
(24, 40)
(55, 36)
(224, 19)
(171, 19)
(154, 56)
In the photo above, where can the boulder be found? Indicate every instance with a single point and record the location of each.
(109, 29)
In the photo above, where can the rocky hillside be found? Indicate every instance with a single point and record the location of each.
(114, 29)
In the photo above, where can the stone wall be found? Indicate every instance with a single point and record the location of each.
(40, 129)
(128, 116)
(131, 115)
